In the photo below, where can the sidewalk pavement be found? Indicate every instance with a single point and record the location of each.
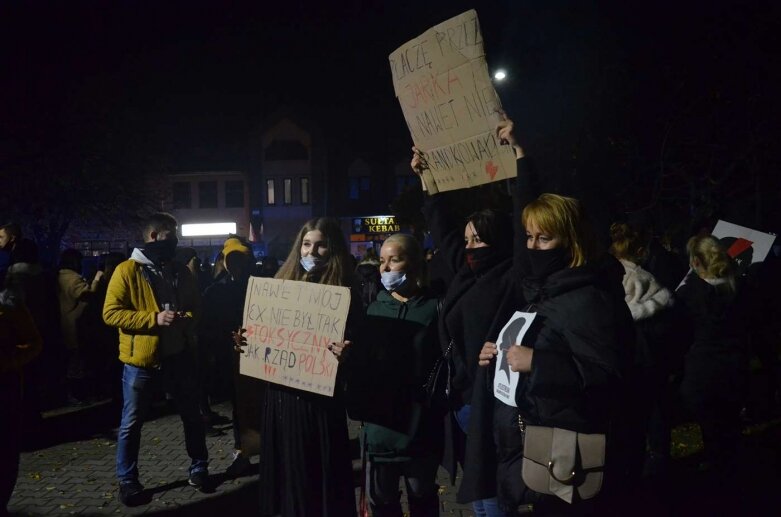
(74, 473)
(71, 472)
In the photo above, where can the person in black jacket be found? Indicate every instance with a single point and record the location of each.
(477, 254)
(574, 356)
(715, 370)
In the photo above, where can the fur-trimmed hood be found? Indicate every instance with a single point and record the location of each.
(644, 295)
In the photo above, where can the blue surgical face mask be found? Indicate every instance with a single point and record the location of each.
(310, 262)
(392, 280)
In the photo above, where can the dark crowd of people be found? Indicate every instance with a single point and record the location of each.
(621, 340)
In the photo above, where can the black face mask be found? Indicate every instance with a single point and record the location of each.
(161, 251)
(477, 258)
(546, 262)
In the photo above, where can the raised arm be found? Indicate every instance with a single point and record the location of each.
(525, 191)
(446, 230)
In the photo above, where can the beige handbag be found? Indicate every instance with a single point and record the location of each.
(563, 463)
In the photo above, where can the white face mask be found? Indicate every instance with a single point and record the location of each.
(310, 262)
(392, 280)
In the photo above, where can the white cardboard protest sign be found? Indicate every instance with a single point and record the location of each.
(748, 247)
(450, 105)
(505, 380)
(289, 327)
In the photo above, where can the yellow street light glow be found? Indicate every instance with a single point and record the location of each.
(500, 75)
(202, 230)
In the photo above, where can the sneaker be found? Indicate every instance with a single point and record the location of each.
(238, 466)
(131, 493)
(198, 478)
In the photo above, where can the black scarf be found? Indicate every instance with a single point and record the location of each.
(161, 251)
(546, 262)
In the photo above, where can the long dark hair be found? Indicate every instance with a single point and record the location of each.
(495, 228)
(335, 271)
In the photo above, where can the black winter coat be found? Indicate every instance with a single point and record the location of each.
(713, 326)
(583, 341)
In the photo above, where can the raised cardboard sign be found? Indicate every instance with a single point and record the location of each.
(289, 327)
(451, 107)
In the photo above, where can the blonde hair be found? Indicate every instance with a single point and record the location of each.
(564, 218)
(336, 270)
(713, 257)
(629, 242)
(414, 254)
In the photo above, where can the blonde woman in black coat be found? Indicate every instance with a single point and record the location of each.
(713, 318)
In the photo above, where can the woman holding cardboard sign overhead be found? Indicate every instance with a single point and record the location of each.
(570, 365)
(305, 465)
(478, 254)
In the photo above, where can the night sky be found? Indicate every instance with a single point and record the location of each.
(604, 93)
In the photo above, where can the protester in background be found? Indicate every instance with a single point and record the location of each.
(305, 466)
(19, 344)
(267, 268)
(713, 325)
(218, 271)
(152, 299)
(399, 350)
(74, 294)
(223, 307)
(648, 301)
(188, 258)
(368, 274)
(38, 292)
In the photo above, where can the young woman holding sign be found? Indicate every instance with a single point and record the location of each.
(305, 465)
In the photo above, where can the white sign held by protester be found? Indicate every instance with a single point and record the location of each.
(289, 327)
(450, 105)
(505, 380)
(744, 245)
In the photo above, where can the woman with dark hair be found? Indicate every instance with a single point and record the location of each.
(649, 302)
(305, 464)
(478, 254)
(74, 294)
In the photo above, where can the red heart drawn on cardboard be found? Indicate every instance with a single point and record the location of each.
(491, 169)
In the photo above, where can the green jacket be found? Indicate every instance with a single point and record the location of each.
(132, 308)
(401, 345)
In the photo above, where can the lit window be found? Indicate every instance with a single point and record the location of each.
(270, 197)
(287, 185)
(304, 191)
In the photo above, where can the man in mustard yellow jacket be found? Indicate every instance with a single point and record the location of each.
(151, 300)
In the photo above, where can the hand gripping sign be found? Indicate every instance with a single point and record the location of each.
(506, 380)
(451, 107)
(289, 327)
